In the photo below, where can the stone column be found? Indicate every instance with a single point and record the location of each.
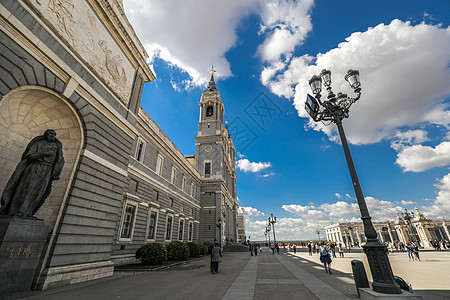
(341, 240)
(444, 225)
(390, 235)
(359, 238)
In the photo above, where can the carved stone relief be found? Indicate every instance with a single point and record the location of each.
(76, 22)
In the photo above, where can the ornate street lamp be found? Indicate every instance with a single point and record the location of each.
(273, 221)
(265, 233)
(334, 109)
(412, 232)
(268, 232)
(318, 234)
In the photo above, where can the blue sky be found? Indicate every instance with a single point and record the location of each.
(264, 53)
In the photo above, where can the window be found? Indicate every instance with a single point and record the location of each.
(181, 230)
(173, 176)
(181, 207)
(209, 111)
(171, 202)
(156, 195)
(191, 211)
(152, 225)
(169, 228)
(183, 184)
(192, 190)
(159, 164)
(128, 221)
(191, 225)
(207, 168)
(140, 150)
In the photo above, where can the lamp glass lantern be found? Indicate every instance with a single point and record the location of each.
(316, 84)
(352, 77)
(326, 77)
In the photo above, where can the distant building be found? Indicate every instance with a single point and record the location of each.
(420, 229)
(78, 67)
(241, 226)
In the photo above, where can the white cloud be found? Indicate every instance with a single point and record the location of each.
(418, 158)
(188, 34)
(286, 24)
(404, 80)
(338, 195)
(441, 205)
(309, 218)
(247, 166)
(406, 138)
(269, 174)
(240, 155)
(252, 212)
(405, 203)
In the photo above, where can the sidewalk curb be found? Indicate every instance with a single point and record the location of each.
(160, 268)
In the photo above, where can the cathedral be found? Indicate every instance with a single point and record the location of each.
(77, 67)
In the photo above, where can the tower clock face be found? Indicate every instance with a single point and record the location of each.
(208, 148)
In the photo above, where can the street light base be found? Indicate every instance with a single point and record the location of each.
(383, 279)
(368, 294)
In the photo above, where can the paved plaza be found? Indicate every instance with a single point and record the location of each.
(266, 276)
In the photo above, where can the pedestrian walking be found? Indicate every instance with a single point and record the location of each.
(255, 248)
(333, 249)
(410, 251)
(278, 248)
(250, 248)
(415, 249)
(295, 248)
(272, 248)
(309, 249)
(325, 257)
(341, 250)
(216, 253)
(210, 253)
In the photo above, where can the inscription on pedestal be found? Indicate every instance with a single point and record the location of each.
(21, 243)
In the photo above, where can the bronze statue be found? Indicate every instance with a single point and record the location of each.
(31, 182)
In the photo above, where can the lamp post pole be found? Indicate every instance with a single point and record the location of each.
(265, 233)
(318, 234)
(268, 233)
(273, 221)
(219, 224)
(412, 233)
(335, 109)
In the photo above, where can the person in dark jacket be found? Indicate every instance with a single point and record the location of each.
(216, 253)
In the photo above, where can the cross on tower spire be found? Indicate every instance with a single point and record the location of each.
(212, 83)
(212, 70)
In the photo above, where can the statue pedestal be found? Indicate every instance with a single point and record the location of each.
(21, 243)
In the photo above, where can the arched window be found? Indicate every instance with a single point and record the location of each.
(209, 111)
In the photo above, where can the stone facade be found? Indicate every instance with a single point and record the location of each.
(420, 229)
(241, 226)
(77, 67)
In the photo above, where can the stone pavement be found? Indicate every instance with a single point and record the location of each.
(241, 276)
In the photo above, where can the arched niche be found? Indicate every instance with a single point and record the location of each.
(27, 112)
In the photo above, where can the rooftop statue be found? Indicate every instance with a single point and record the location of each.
(31, 182)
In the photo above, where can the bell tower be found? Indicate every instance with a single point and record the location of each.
(215, 161)
(211, 111)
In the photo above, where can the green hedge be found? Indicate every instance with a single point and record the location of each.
(203, 249)
(151, 254)
(177, 250)
(193, 249)
(207, 244)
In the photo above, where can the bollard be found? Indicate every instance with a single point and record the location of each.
(359, 274)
